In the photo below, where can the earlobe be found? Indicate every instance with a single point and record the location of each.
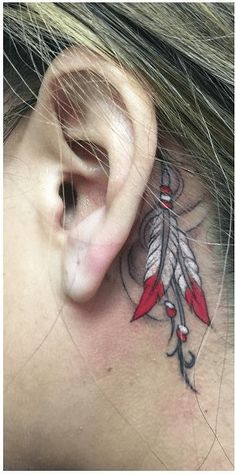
(88, 99)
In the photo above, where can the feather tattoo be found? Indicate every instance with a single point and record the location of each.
(171, 269)
(161, 261)
(187, 276)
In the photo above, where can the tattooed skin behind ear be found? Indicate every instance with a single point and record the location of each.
(171, 274)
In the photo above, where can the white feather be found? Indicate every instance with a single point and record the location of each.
(157, 246)
(187, 266)
(180, 278)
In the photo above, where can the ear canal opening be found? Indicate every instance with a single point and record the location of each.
(68, 194)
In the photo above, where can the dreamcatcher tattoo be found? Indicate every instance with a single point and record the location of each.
(171, 275)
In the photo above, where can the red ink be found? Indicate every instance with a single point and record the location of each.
(153, 292)
(196, 300)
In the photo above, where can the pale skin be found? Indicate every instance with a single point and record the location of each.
(84, 387)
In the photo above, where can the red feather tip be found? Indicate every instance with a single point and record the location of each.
(153, 292)
(196, 300)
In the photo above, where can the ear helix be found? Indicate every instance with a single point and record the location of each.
(129, 136)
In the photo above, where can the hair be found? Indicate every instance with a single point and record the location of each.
(182, 53)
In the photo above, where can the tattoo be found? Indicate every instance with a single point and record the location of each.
(172, 276)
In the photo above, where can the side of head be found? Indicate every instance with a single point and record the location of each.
(117, 207)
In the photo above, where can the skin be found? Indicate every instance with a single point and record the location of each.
(85, 388)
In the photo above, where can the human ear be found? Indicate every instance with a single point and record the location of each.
(97, 124)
